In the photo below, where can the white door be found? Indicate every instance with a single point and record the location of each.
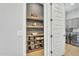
(58, 29)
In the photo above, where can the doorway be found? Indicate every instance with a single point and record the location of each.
(35, 29)
(41, 19)
(72, 29)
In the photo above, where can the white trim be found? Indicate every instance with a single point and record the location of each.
(47, 31)
(24, 29)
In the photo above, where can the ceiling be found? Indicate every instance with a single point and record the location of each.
(71, 6)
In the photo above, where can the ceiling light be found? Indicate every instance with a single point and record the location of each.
(71, 3)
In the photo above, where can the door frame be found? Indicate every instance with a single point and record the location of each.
(24, 30)
(46, 29)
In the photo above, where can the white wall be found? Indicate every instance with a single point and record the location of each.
(35, 9)
(73, 14)
(11, 17)
(72, 17)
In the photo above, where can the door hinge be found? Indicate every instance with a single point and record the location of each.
(51, 52)
(51, 35)
(50, 3)
(51, 19)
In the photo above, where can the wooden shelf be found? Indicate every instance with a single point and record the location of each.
(36, 35)
(35, 18)
(34, 40)
(40, 43)
(30, 40)
(39, 39)
(36, 44)
(35, 27)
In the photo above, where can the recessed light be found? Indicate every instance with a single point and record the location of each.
(71, 3)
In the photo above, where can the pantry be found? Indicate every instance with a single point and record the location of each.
(35, 27)
(45, 29)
